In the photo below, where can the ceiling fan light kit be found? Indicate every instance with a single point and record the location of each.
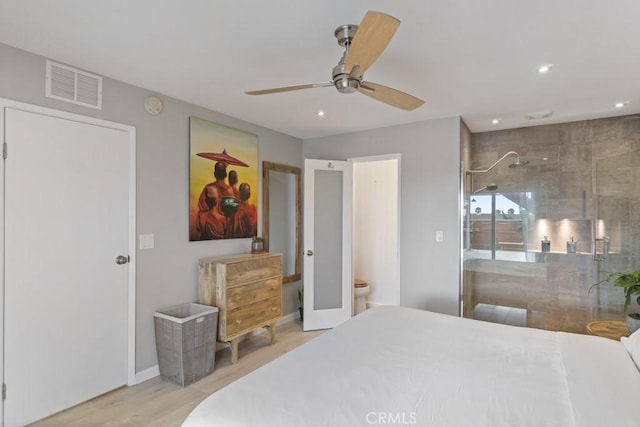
(363, 44)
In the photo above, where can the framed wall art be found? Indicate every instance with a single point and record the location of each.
(223, 182)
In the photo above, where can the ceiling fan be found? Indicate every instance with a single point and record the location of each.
(363, 45)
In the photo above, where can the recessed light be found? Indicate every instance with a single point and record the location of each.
(545, 158)
(495, 121)
(320, 113)
(543, 69)
(621, 104)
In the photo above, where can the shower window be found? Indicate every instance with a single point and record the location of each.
(498, 226)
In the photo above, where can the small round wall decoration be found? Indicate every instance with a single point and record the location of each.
(153, 105)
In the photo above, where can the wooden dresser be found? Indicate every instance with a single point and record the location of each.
(247, 289)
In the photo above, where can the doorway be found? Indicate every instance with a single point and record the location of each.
(68, 208)
(332, 226)
(376, 227)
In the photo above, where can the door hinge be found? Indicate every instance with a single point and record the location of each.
(4, 150)
(4, 392)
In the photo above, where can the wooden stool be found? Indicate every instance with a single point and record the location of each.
(611, 329)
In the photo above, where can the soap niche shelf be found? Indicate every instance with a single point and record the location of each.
(559, 231)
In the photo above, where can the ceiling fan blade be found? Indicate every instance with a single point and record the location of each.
(373, 35)
(390, 96)
(288, 88)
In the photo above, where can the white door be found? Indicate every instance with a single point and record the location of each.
(328, 278)
(66, 221)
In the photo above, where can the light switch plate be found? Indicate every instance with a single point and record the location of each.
(146, 241)
(439, 236)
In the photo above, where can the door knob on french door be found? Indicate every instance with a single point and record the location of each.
(309, 252)
(121, 259)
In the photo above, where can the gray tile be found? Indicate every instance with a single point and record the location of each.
(592, 174)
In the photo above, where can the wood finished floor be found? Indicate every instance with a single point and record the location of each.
(160, 403)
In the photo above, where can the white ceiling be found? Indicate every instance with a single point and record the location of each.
(476, 59)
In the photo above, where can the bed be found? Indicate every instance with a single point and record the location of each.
(401, 366)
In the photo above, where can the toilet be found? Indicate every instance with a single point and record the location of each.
(360, 291)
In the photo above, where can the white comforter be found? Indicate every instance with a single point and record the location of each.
(399, 366)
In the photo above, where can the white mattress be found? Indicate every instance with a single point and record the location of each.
(414, 367)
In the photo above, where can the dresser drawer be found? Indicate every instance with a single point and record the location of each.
(251, 316)
(252, 292)
(259, 268)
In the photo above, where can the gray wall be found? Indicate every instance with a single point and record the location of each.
(430, 180)
(167, 274)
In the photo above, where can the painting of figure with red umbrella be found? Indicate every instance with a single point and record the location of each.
(223, 187)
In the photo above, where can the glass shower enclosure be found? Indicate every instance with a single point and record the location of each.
(535, 240)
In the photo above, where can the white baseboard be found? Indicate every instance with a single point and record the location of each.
(370, 304)
(284, 319)
(154, 371)
(222, 345)
(289, 317)
(147, 374)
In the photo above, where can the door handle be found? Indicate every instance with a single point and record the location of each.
(121, 259)
(309, 252)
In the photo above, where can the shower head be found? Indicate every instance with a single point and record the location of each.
(513, 165)
(490, 187)
(519, 163)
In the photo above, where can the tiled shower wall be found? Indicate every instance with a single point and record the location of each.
(584, 179)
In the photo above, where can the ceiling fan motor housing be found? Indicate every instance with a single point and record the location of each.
(344, 82)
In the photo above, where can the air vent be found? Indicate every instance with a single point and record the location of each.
(72, 85)
(538, 116)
